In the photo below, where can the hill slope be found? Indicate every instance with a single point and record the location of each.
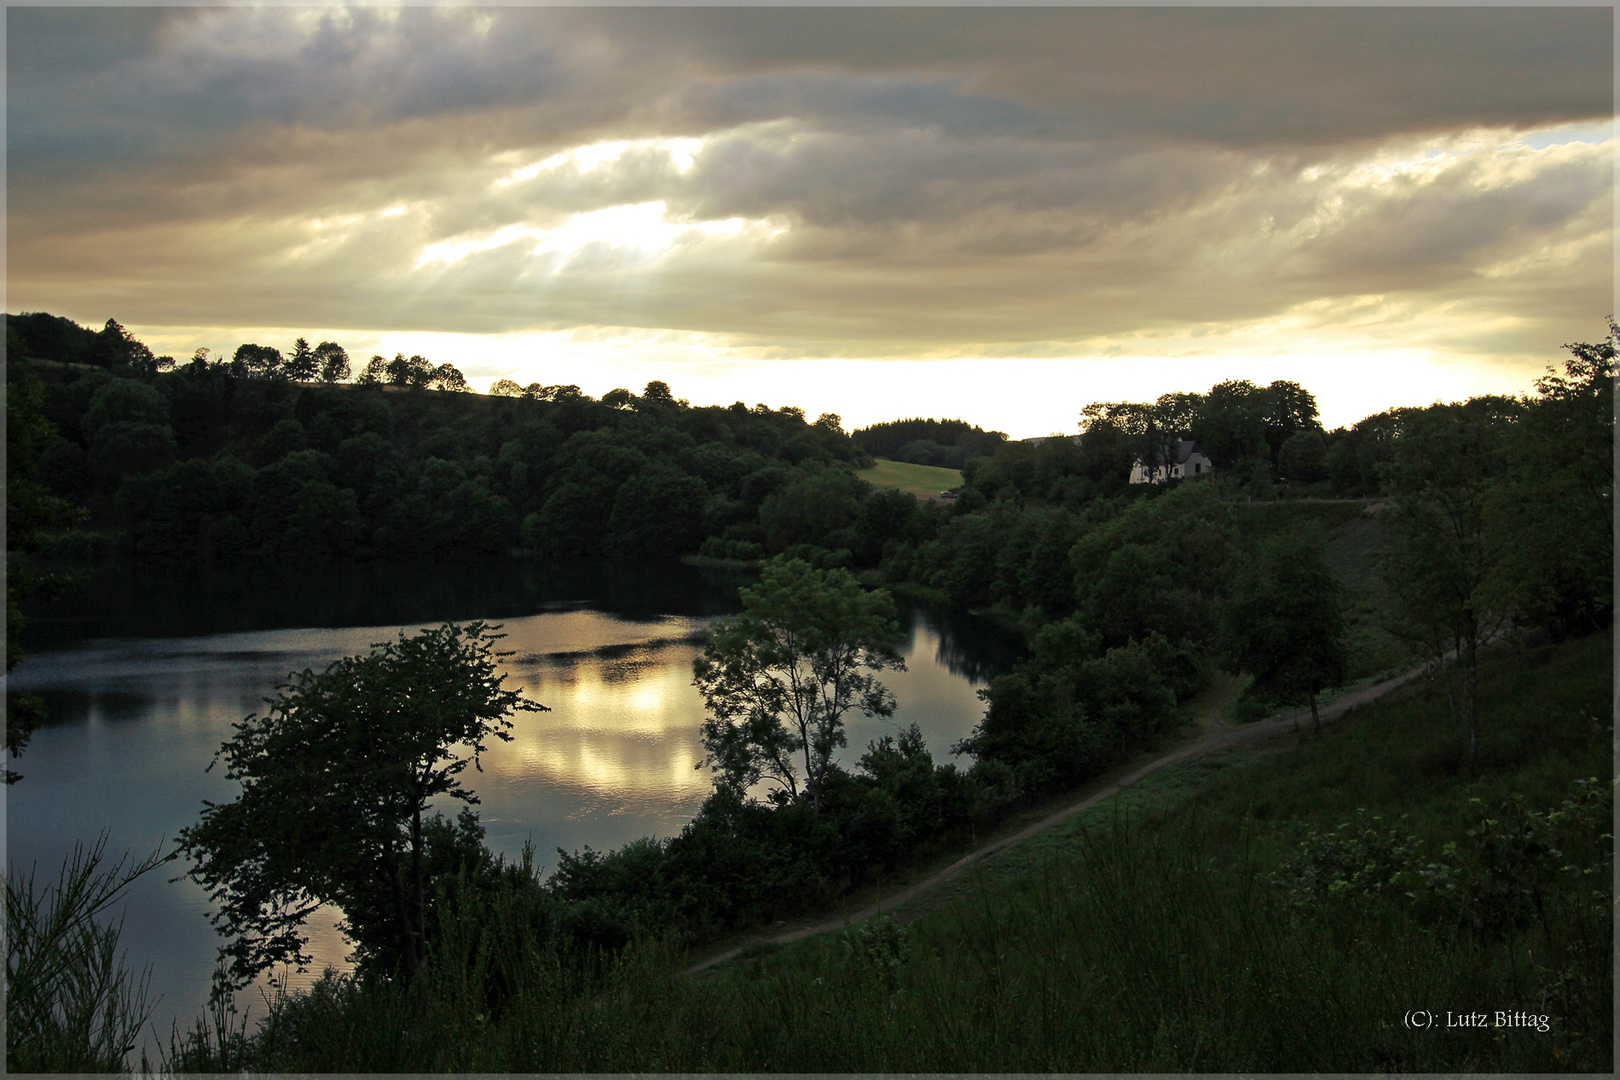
(923, 481)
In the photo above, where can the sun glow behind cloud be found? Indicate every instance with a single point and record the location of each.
(640, 230)
(679, 152)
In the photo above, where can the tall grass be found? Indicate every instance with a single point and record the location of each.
(71, 1004)
(1147, 949)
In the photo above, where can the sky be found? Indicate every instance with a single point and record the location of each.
(993, 214)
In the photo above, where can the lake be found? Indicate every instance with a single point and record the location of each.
(144, 673)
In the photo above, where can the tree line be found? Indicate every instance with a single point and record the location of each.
(946, 444)
(275, 459)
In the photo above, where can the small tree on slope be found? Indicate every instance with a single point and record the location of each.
(1285, 626)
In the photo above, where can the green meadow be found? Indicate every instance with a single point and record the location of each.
(923, 481)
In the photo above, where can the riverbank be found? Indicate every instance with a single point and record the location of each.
(139, 707)
(1173, 926)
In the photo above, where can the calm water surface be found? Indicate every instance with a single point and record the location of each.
(144, 675)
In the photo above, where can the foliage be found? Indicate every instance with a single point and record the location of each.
(1303, 457)
(1496, 879)
(1360, 859)
(336, 778)
(1235, 423)
(1074, 707)
(1358, 457)
(1161, 565)
(941, 443)
(1285, 626)
(779, 678)
(1502, 875)
(880, 945)
(333, 360)
(1450, 568)
(71, 1005)
(431, 474)
(1564, 478)
(30, 509)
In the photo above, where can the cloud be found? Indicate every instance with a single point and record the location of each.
(850, 182)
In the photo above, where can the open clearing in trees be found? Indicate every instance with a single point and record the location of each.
(923, 481)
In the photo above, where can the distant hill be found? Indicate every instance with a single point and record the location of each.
(251, 459)
(946, 444)
(37, 335)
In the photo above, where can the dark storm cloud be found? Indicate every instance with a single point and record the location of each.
(921, 176)
(1211, 75)
(1259, 75)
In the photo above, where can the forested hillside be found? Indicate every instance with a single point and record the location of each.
(261, 457)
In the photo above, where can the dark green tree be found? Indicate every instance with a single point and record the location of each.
(813, 505)
(1563, 480)
(1285, 623)
(117, 347)
(256, 362)
(779, 678)
(127, 449)
(1450, 567)
(448, 377)
(1286, 409)
(657, 395)
(1231, 425)
(302, 365)
(830, 422)
(1139, 430)
(1070, 707)
(415, 372)
(336, 777)
(1163, 565)
(123, 401)
(375, 373)
(960, 439)
(333, 362)
(658, 513)
(1303, 457)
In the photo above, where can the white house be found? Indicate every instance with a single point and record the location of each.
(1188, 460)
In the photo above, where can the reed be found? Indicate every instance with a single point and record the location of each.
(71, 1003)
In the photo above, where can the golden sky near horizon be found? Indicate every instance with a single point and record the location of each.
(880, 212)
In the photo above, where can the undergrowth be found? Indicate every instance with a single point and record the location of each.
(1289, 916)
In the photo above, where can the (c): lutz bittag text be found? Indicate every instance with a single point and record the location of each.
(1501, 1018)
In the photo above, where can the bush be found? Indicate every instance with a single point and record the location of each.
(1497, 880)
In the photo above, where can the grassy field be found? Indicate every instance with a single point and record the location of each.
(1146, 936)
(923, 481)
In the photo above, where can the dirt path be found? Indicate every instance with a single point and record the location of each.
(1215, 739)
